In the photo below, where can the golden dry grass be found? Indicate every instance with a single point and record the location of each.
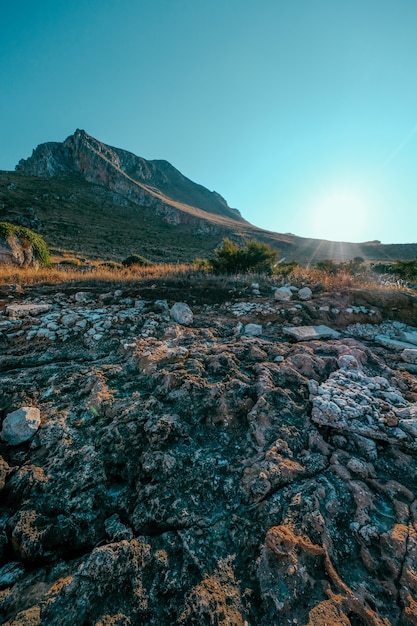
(100, 273)
(184, 276)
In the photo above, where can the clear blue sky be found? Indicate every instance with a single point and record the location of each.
(301, 113)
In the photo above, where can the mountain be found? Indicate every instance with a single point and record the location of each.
(97, 201)
(155, 184)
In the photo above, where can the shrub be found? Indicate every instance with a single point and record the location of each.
(406, 270)
(40, 249)
(285, 269)
(328, 266)
(252, 256)
(136, 259)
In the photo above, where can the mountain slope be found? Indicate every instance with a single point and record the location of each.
(103, 202)
(155, 184)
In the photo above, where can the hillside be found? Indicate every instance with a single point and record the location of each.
(97, 201)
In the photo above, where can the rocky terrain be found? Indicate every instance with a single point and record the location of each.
(99, 201)
(246, 462)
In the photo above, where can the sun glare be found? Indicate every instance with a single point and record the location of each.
(340, 216)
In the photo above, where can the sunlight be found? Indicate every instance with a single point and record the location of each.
(340, 216)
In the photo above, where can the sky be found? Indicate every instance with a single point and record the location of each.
(301, 113)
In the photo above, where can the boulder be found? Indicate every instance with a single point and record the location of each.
(20, 425)
(181, 313)
(283, 294)
(305, 293)
(16, 251)
(254, 330)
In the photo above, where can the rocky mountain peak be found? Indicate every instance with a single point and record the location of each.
(155, 184)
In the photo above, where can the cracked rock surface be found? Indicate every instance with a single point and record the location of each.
(186, 472)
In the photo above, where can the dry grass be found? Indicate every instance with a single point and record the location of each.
(182, 280)
(99, 273)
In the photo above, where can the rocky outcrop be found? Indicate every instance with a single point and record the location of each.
(154, 184)
(17, 251)
(187, 471)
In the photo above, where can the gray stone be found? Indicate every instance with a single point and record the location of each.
(410, 337)
(409, 355)
(255, 330)
(387, 342)
(348, 361)
(306, 333)
(20, 310)
(283, 294)
(305, 293)
(20, 425)
(181, 313)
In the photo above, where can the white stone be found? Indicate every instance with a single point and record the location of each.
(283, 294)
(305, 293)
(409, 355)
(254, 330)
(387, 342)
(20, 425)
(348, 361)
(181, 313)
(20, 310)
(306, 333)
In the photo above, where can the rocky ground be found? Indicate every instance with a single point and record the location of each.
(251, 462)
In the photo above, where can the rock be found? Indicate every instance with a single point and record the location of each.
(348, 361)
(307, 333)
(21, 310)
(19, 426)
(181, 313)
(254, 330)
(10, 573)
(409, 355)
(17, 251)
(410, 337)
(283, 294)
(395, 344)
(305, 293)
(217, 477)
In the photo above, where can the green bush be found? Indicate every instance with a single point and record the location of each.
(406, 270)
(136, 259)
(252, 256)
(40, 249)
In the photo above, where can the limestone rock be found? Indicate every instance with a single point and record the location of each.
(254, 330)
(306, 333)
(181, 313)
(20, 310)
(16, 251)
(283, 294)
(20, 425)
(409, 355)
(305, 293)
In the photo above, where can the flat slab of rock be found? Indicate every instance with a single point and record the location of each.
(396, 344)
(20, 310)
(410, 337)
(306, 333)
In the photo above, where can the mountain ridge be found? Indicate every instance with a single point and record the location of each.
(98, 201)
(153, 183)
